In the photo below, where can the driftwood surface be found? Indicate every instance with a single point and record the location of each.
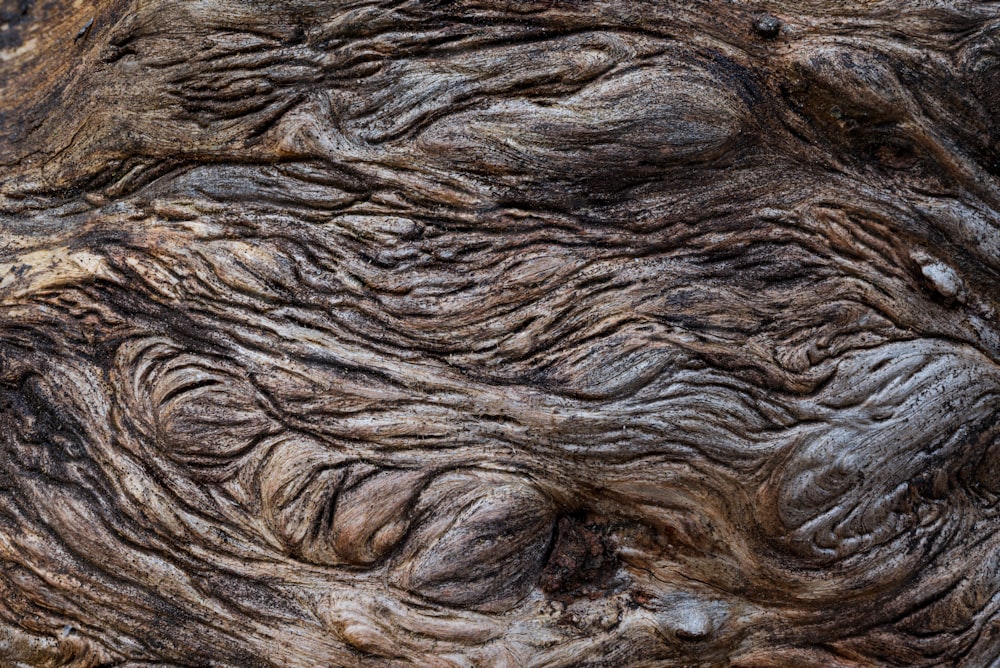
(499, 333)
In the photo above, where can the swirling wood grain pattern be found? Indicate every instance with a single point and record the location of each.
(499, 333)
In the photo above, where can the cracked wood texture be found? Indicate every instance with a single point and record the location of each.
(499, 333)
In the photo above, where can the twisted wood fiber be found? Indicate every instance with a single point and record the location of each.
(499, 333)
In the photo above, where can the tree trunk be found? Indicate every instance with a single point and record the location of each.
(499, 333)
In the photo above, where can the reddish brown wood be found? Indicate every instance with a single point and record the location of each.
(495, 333)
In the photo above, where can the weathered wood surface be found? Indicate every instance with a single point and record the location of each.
(498, 333)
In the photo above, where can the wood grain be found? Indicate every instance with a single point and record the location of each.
(499, 333)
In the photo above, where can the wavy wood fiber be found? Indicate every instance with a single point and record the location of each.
(498, 333)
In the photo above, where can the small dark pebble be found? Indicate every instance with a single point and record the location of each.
(767, 26)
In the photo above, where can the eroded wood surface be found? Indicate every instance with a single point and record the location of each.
(498, 333)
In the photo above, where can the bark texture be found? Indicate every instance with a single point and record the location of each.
(499, 333)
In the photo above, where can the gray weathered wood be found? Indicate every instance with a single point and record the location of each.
(498, 333)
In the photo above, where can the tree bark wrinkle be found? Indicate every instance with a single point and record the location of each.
(499, 333)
